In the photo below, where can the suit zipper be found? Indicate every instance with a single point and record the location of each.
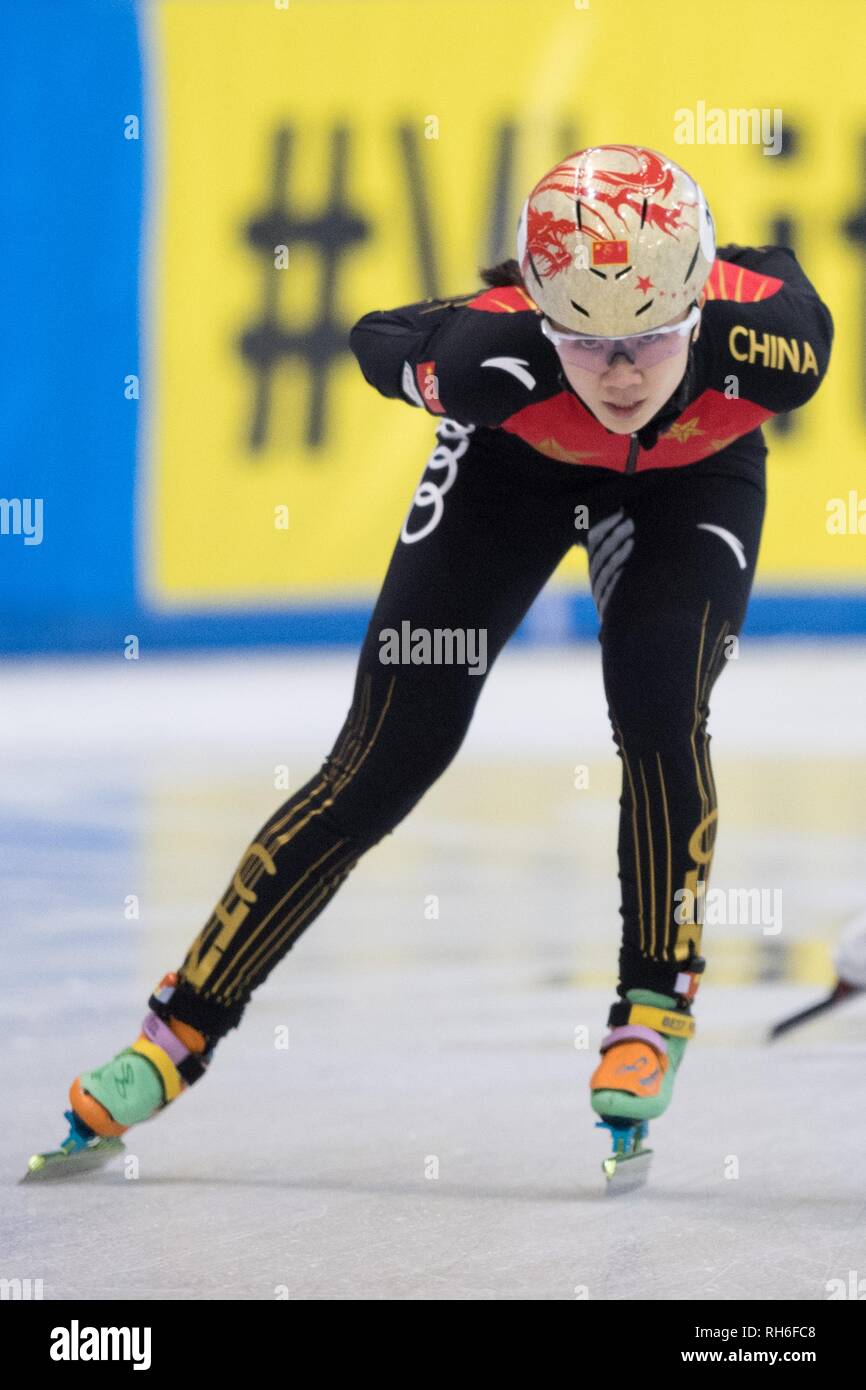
(631, 461)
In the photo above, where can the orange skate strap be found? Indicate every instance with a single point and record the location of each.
(189, 1036)
(92, 1113)
(630, 1066)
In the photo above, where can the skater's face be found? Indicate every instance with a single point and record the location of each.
(626, 394)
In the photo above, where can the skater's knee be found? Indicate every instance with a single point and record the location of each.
(393, 748)
(658, 677)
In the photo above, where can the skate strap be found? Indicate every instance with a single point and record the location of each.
(629, 1064)
(633, 1032)
(190, 1065)
(686, 983)
(670, 1022)
(673, 1023)
(172, 1084)
(194, 1066)
(153, 1027)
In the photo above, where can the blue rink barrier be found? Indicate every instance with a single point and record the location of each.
(556, 618)
(70, 75)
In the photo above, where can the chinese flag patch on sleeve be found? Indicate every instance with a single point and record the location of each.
(428, 385)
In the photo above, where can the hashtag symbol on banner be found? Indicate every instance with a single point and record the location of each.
(272, 339)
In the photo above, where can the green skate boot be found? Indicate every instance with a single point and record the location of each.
(634, 1081)
(166, 1058)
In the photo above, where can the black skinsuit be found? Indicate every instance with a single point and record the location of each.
(672, 524)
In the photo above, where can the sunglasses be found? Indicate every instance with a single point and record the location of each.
(641, 349)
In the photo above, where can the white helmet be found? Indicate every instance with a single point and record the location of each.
(615, 240)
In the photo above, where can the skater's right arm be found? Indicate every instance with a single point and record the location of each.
(476, 359)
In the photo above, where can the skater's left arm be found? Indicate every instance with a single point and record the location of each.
(772, 332)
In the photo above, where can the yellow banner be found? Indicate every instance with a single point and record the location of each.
(316, 159)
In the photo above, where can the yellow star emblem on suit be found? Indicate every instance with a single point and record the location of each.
(555, 450)
(723, 443)
(682, 432)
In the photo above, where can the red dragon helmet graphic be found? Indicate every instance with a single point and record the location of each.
(616, 239)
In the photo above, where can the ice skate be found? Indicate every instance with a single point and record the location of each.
(633, 1083)
(141, 1080)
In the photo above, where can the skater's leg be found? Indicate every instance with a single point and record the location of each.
(480, 557)
(666, 634)
(468, 566)
(687, 546)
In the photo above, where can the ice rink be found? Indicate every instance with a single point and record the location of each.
(426, 1133)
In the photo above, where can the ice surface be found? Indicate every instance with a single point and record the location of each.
(421, 1045)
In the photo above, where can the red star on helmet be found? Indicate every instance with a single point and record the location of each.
(644, 283)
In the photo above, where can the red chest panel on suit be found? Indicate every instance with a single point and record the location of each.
(563, 429)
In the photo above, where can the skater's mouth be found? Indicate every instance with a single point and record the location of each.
(624, 410)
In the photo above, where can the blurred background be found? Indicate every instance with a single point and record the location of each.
(166, 388)
(199, 496)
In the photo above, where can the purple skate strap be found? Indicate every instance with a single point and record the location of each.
(160, 1033)
(638, 1033)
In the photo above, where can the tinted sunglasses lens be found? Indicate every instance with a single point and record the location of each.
(647, 354)
(596, 354)
(592, 356)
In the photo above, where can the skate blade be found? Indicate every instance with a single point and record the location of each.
(625, 1172)
(58, 1163)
